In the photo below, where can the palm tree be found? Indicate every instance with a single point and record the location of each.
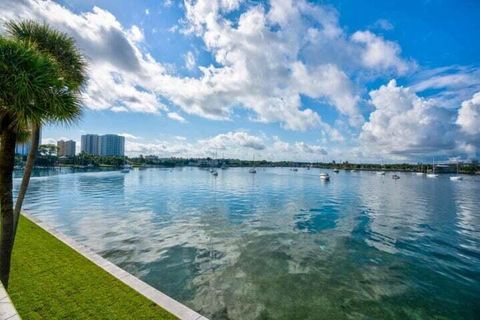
(34, 88)
(28, 79)
(63, 50)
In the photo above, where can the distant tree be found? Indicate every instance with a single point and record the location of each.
(49, 150)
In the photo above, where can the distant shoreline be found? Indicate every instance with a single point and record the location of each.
(305, 166)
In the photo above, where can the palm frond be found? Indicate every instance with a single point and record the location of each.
(61, 102)
(57, 44)
(28, 77)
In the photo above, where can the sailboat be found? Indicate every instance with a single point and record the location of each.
(213, 170)
(252, 169)
(432, 175)
(457, 177)
(224, 163)
(421, 173)
(126, 167)
(382, 172)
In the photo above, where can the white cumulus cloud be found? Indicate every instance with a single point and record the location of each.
(469, 116)
(406, 124)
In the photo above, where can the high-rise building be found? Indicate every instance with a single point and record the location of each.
(112, 145)
(90, 144)
(106, 145)
(66, 148)
(24, 148)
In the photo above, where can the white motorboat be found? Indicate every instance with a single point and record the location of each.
(324, 176)
(126, 168)
(336, 170)
(395, 177)
(214, 173)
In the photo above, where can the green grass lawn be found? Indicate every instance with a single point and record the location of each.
(49, 280)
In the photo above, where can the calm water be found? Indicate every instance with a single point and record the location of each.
(281, 244)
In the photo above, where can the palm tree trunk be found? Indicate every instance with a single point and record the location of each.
(32, 155)
(7, 162)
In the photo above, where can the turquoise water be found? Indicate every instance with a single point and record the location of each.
(281, 244)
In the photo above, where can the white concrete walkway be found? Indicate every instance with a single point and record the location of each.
(7, 309)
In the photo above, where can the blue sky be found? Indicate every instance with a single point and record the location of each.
(284, 80)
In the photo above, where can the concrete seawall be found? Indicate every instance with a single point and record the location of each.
(174, 307)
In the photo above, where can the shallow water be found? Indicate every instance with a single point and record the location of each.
(281, 244)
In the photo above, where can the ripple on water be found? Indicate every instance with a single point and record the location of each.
(280, 244)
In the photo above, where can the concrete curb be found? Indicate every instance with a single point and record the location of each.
(7, 309)
(174, 307)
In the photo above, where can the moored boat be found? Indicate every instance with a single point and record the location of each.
(433, 174)
(324, 176)
(457, 177)
(252, 169)
(126, 168)
(381, 172)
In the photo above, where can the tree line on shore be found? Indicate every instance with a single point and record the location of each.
(47, 157)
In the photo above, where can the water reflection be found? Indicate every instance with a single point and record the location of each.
(280, 244)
